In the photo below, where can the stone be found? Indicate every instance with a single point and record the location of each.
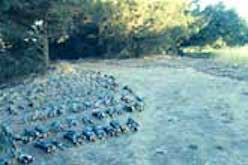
(25, 159)
(99, 131)
(99, 114)
(74, 137)
(117, 126)
(132, 124)
(87, 110)
(46, 146)
(89, 134)
(193, 147)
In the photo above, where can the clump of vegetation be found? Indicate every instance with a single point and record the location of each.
(234, 55)
(218, 32)
(130, 28)
(22, 31)
(218, 27)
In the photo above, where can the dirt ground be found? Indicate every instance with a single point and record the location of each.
(196, 114)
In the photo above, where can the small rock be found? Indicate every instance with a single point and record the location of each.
(25, 159)
(161, 151)
(193, 147)
(172, 119)
(218, 147)
(245, 93)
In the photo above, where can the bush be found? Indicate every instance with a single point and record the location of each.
(23, 47)
(23, 53)
(129, 28)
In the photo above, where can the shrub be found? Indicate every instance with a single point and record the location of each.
(131, 27)
(23, 34)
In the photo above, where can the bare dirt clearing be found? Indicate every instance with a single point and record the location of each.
(196, 114)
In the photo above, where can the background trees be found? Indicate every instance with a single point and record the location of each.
(218, 26)
(127, 28)
(24, 37)
(32, 32)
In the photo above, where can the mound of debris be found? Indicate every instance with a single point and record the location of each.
(63, 110)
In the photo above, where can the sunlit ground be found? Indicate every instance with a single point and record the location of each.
(238, 55)
(234, 55)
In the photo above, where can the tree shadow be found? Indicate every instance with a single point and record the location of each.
(204, 55)
(80, 44)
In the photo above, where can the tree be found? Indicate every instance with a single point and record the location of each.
(217, 23)
(133, 27)
(125, 27)
(26, 29)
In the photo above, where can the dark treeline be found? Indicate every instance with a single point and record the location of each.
(33, 32)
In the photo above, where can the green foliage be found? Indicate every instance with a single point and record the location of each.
(234, 55)
(136, 26)
(23, 37)
(128, 28)
(229, 55)
(217, 24)
(133, 26)
(125, 27)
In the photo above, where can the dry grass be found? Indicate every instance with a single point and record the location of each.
(66, 68)
(236, 55)
(233, 55)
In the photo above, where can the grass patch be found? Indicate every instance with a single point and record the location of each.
(232, 55)
(236, 55)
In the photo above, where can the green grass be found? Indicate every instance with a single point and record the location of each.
(236, 55)
(232, 55)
